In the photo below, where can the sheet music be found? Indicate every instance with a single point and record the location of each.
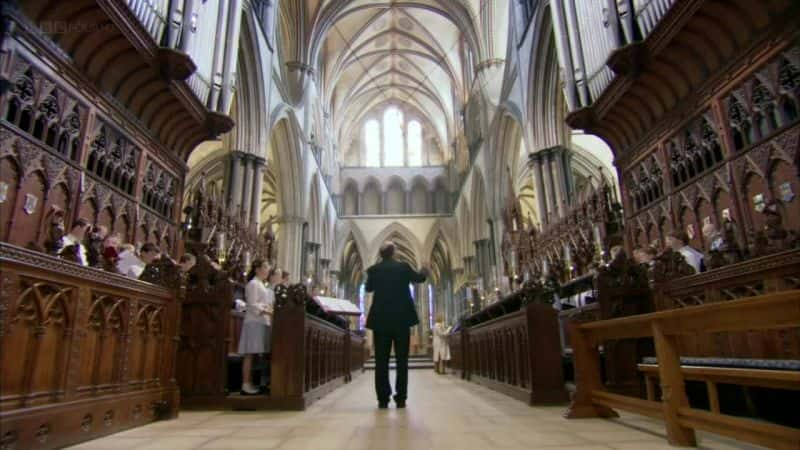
(339, 306)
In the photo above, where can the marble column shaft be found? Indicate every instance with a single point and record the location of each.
(258, 186)
(235, 182)
(247, 186)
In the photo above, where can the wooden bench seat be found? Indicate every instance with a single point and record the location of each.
(591, 399)
(767, 378)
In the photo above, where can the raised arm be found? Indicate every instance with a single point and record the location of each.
(417, 277)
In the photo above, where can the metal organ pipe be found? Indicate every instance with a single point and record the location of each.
(187, 36)
(231, 54)
(626, 18)
(175, 23)
(577, 52)
(219, 55)
(564, 54)
(596, 46)
(612, 22)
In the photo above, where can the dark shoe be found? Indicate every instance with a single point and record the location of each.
(383, 405)
(400, 404)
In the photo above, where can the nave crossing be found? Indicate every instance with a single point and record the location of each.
(443, 413)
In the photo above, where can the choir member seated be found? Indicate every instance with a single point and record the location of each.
(94, 245)
(132, 265)
(678, 241)
(56, 231)
(71, 245)
(111, 252)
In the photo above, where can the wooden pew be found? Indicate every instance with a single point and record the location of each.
(310, 356)
(85, 353)
(591, 399)
(513, 347)
(457, 342)
(357, 353)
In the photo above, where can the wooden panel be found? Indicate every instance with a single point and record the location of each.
(122, 227)
(9, 177)
(776, 272)
(784, 179)
(518, 353)
(106, 218)
(28, 212)
(68, 324)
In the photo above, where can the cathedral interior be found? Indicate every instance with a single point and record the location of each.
(602, 193)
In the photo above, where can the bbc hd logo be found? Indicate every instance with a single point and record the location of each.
(73, 27)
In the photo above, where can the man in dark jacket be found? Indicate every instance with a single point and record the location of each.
(391, 315)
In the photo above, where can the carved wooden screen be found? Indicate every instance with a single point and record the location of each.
(28, 209)
(734, 157)
(9, 185)
(52, 151)
(40, 328)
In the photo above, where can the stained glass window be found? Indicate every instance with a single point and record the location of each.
(372, 135)
(414, 143)
(393, 137)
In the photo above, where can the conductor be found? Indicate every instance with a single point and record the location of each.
(391, 315)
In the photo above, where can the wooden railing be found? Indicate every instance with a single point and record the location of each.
(591, 399)
(516, 352)
(85, 353)
(311, 356)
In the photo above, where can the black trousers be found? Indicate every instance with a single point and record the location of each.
(383, 340)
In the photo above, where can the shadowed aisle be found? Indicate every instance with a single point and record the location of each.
(443, 413)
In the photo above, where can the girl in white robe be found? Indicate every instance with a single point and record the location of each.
(441, 348)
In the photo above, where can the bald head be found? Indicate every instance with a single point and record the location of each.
(387, 250)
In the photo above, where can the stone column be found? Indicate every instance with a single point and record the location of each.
(235, 181)
(559, 180)
(258, 186)
(535, 163)
(247, 186)
(290, 235)
(552, 213)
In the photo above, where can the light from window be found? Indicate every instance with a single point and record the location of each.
(414, 143)
(393, 138)
(372, 135)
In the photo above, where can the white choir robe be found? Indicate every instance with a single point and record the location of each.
(441, 349)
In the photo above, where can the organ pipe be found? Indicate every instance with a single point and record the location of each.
(219, 56)
(587, 32)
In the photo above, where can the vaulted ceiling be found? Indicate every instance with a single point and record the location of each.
(405, 53)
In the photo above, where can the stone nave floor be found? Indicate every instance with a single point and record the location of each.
(443, 413)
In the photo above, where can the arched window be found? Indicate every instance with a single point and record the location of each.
(414, 143)
(393, 138)
(372, 136)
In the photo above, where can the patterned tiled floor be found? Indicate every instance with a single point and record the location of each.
(443, 413)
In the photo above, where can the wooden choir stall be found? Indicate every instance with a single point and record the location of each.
(313, 348)
(86, 352)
